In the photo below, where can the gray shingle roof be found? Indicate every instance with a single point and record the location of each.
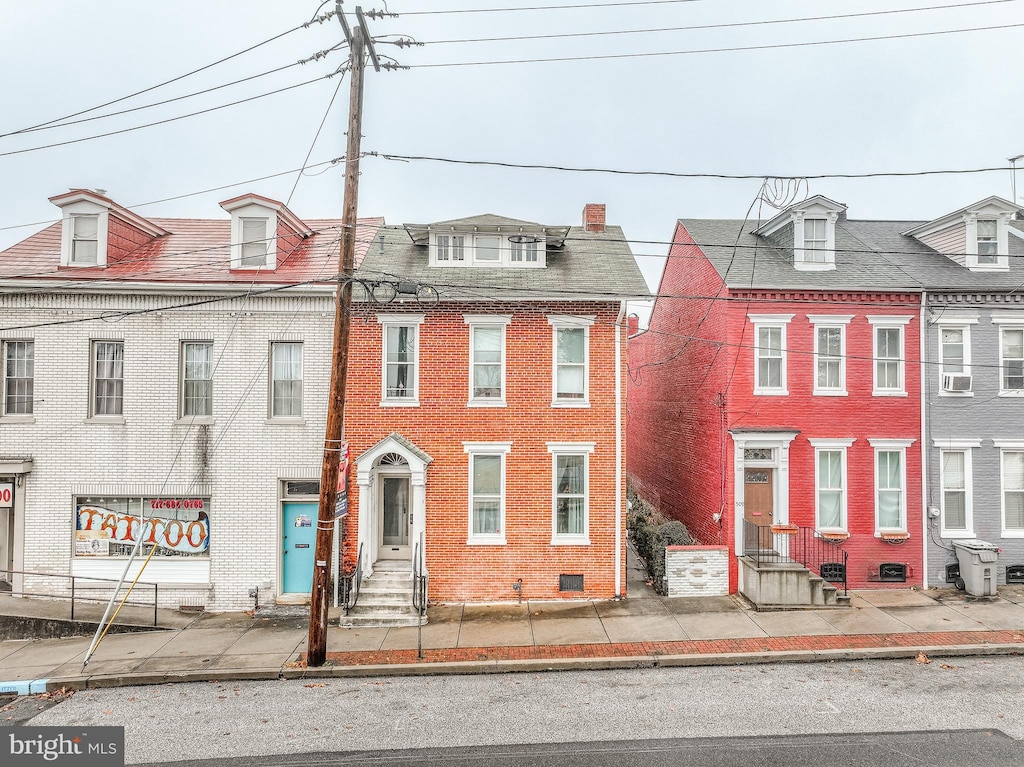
(589, 266)
(870, 255)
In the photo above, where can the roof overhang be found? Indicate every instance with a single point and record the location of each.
(553, 235)
(818, 203)
(279, 208)
(993, 204)
(86, 195)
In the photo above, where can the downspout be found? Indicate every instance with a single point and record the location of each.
(923, 376)
(619, 458)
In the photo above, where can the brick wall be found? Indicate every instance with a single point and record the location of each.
(697, 571)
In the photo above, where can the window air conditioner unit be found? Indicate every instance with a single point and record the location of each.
(956, 382)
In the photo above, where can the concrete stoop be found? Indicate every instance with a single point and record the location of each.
(788, 586)
(385, 599)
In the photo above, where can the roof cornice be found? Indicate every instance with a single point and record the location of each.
(87, 195)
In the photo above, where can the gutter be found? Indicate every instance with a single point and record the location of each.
(925, 536)
(618, 449)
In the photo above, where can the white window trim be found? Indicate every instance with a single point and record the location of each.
(955, 323)
(399, 320)
(570, 321)
(556, 449)
(484, 321)
(887, 446)
(965, 447)
(824, 321)
(469, 258)
(771, 321)
(77, 210)
(1004, 322)
(253, 212)
(4, 351)
(283, 419)
(1007, 446)
(93, 417)
(501, 449)
(182, 418)
(832, 445)
(889, 323)
(1002, 241)
(800, 253)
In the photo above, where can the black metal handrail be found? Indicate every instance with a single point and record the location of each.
(350, 583)
(74, 596)
(766, 544)
(419, 594)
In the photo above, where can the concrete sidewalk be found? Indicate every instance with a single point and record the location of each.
(643, 630)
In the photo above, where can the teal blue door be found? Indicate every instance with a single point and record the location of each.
(298, 537)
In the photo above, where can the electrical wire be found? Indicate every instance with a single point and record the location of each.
(158, 85)
(728, 25)
(546, 7)
(168, 120)
(728, 49)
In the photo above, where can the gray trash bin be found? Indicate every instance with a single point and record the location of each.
(977, 566)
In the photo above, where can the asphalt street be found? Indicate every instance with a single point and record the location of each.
(202, 721)
(939, 749)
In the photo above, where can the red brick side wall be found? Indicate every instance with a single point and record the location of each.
(442, 422)
(287, 240)
(122, 239)
(698, 354)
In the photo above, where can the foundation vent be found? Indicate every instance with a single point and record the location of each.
(570, 582)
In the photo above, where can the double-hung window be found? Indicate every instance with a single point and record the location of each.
(1011, 361)
(830, 354)
(107, 368)
(889, 368)
(196, 379)
(988, 242)
(487, 358)
(954, 332)
(770, 353)
(487, 249)
(401, 358)
(890, 485)
(451, 247)
(85, 239)
(1011, 454)
(570, 492)
(19, 377)
(487, 491)
(286, 379)
(830, 484)
(571, 366)
(524, 251)
(955, 479)
(254, 242)
(815, 242)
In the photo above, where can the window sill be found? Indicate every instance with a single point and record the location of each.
(107, 419)
(197, 421)
(18, 419)
(892, 535)
(285, 421)
(834, 536)
(955, 394)
(565, 540)
(888, 393)
(399, 403)
(485, 541)
(1013, 534)
(771, 392)
(487, 403)
(570, 403)
(956, 534)
(830, 393)
(1011, 393)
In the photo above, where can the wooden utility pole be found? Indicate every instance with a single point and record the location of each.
(316, 654)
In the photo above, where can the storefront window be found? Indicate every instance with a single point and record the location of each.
(109, 526)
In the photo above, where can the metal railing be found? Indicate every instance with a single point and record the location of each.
(91, 582)
(350, 583)
(768, 544)
(419, 594)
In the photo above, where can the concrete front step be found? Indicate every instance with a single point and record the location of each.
(359, 620)
(787, 585)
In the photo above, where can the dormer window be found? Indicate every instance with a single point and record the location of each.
(488, 249)
(810, 228)
(815, 241)
(524, 251)
(254, 243)
(85, 230)
(988, 243)
(451, 247)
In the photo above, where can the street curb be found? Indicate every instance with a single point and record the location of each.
(525, 665)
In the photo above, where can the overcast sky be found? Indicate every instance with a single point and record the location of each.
(917, 103)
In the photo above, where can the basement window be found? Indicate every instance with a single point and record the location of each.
(570, 582)
(833, 571)
(892, 572)
(953, 572)
(1015, 574)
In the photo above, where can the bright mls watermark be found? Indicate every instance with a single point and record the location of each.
(80, 746)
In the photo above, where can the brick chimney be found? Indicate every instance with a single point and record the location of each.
(593, 217)
(632, 325)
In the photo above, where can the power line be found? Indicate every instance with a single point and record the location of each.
(315, 57)
(158, 85)
(728, 25)
(731, 49)
(675, 174)
(545, 7)
(168, 120)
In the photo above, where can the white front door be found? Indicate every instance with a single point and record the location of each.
(395, 518)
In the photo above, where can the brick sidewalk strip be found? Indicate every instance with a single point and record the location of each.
(723, 647)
